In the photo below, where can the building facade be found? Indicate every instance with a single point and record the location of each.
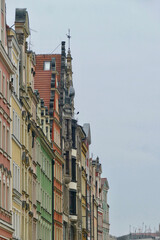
(6, 70)
(105, 206)
(50, 188)
(16, 108)
(48, 70)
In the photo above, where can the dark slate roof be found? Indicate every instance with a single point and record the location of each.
(21, 15)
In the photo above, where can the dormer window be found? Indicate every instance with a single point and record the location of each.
(47, 66)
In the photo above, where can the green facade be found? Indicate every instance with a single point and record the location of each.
(44, 191)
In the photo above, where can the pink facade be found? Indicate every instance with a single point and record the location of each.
(6, 69)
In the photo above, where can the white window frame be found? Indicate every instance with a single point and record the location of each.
(18, 133)
(16, 177)
(13, 123)
(47, 66)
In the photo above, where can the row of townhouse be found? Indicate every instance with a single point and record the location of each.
(50, 188)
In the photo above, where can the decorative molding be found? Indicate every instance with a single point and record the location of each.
(6, 59)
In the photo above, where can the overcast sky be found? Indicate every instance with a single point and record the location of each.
(115, 47)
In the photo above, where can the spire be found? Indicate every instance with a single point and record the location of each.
(69, 37)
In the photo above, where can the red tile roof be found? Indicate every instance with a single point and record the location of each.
(42, 80)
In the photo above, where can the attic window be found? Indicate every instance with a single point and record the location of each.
(47, 66)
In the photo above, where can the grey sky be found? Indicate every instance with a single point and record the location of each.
(115, 46)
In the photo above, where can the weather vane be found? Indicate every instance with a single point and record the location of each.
(69, 37)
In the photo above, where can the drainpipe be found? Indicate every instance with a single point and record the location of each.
(86, 210)
(90, 213)
(53, 199)
(93, 217)
(97, 222)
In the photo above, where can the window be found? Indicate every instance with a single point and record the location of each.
(8, 198)
(4, 195)
(25, 181)
(8, 142)
(16, 126)
(67, 162)
(13, 123)
(16, 177)
(22, 178)
(2, 35)
(53, 64)
(72, 202)
(73, 169)
(4, 138)
(47, 66)
(18, 132)
(4, 86)
(16, 223)
(73, 136)
(7, 91)
(67, 128)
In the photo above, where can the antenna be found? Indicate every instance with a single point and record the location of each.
(69, 37)
(30, 38)
(55, 49)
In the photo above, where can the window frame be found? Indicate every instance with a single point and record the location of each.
(45, 64)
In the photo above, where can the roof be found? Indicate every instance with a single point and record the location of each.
(103, 181)
(86, 128)
(21, 16)
(42, 80)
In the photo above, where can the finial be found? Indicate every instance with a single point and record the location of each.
(69, 37)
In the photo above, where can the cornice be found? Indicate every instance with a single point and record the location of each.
(6, 59)
(57, 122)
(16, 100)
(25, 103)
(56, 90)
(5, 115)
(6, 226)
(58, 190)
(59, 157)
(42, 137)
(30, 91)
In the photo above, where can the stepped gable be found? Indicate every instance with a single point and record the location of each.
(43, 78)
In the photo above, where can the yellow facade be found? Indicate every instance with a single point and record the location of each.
(14, 53)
